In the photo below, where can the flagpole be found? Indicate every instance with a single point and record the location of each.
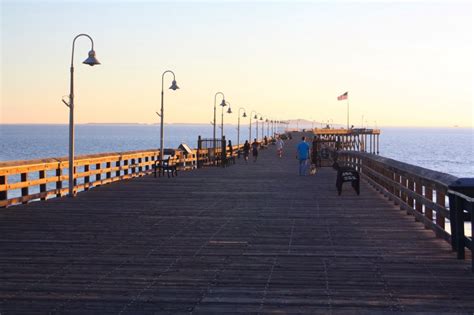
(347, 99)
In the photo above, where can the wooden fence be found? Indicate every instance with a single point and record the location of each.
(421, 192)
(25, 181)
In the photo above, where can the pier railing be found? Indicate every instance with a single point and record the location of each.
(25, 181)
(430, 196)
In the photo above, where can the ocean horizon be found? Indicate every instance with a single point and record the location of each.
(448, 150)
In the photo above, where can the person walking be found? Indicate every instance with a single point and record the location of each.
(279, 146)
(255, 150)
(302, 155)
(246, 151)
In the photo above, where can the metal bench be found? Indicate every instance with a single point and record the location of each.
(168, 165)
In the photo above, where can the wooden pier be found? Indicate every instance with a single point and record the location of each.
(250, 238)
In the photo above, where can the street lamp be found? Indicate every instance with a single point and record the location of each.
(263, 126)
(91, 61)
(223, 104)
(173, 87)
(268, 127)
(256, 127)
(250, 125)
(238, 124)
(214, 121)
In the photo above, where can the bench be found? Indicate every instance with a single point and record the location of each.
(169, 166)
(347, 174)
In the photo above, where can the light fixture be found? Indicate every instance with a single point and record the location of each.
(174, 86)
(91, 60)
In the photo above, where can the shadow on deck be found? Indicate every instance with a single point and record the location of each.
(252, 238)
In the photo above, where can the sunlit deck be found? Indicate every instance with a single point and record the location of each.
(252, 238)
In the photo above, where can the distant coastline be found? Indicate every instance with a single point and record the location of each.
(302, 125)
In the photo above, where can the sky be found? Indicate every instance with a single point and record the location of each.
(404, 63)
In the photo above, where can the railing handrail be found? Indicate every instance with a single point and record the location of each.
(16, 163)
(22, 181)
(439, 178)
(422, 193)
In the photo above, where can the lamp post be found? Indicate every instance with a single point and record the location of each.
(222, 117)
(173, 87)
(264, 120)
(256, 127)
(214, 121)
(91, 61)
(250, 125)
(238, 124)
(268, 127)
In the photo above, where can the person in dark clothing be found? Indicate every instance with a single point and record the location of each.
(246, 151)
(231, 152)
(255, 150)
(314, 151)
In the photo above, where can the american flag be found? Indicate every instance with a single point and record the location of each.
(342, 97)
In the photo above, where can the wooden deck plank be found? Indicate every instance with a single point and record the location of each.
(252, 238)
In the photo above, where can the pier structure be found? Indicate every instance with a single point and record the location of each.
(355, 139)
(250, 238)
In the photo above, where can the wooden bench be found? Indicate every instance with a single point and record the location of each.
(169, 166)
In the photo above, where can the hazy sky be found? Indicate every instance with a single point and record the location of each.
(404, 63)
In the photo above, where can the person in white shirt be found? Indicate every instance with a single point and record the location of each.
(279, 146)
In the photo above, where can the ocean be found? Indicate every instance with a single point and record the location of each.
(448, 150)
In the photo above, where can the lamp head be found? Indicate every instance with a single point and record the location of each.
(91, 60)
(229, 111)
(244, 115)
(261, 118)
(255, 117)
(223, 103)
(266, 120)
(174, 86)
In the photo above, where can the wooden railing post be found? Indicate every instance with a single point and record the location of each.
(140, 168)
(441, 200)
(98, 175)
(419, 191)
(109, 173)
(42, 175)
(87, 177)
(24, 190)
(125, 163)
(411, 187)
(461, 202)
(403, 195)
(3, 193)
(117, 165)
(429, 196)
(133, 170)
(59, 182)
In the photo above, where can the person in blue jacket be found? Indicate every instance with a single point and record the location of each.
(303, 156)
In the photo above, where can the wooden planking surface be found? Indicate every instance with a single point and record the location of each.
(252, 238)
